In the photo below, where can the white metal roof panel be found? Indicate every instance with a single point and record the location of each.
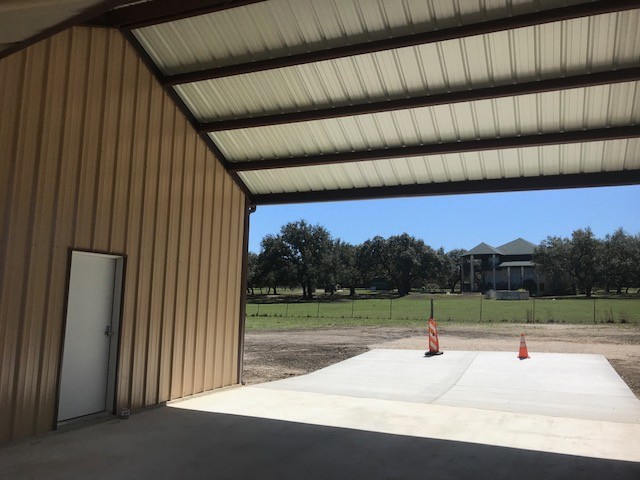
(576, 109)
(562, 48)
(285, 27)
(519, 162)
(279, 28)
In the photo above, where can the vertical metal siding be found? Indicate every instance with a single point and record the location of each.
(225, 232)
(97, 157)
(216, 223)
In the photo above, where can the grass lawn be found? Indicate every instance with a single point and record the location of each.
(413, 310)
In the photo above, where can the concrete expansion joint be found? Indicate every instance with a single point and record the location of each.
(456, 380)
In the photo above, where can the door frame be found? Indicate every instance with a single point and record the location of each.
(118, 300)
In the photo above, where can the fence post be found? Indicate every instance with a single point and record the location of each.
(390, 308)
(318, 311)
(533, 319)
(353, 303)
(258, 312)
(594, 311)
(286, 310)
(481, 309)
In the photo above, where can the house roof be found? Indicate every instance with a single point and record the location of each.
(482, 249)
(519, 246)
(308, 101)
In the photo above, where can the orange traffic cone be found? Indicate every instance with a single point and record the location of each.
(434, 346)
(523, 348)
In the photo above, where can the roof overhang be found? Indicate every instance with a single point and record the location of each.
(306, 101)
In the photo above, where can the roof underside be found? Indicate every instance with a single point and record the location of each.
(320, 100)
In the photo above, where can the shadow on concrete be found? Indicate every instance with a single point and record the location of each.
(171, 443)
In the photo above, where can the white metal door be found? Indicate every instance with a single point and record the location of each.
(89, 335)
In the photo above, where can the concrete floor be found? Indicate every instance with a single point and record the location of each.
(553, 384)
(279, 430)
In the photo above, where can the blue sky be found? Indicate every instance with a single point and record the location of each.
(463, 221)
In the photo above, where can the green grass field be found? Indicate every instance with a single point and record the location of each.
(413, 310)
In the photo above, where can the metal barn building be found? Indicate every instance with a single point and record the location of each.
(136, 137)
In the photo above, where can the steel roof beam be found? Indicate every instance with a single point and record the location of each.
(556, 138)
(526, 20)
(551, 182)
(539, 86)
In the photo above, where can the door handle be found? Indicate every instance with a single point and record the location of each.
(107, 331)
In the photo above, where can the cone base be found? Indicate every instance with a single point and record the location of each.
(432, 354)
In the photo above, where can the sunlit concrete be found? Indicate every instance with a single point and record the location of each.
(562, 385)
(569, 436)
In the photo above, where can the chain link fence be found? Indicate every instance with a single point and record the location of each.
(471, 309)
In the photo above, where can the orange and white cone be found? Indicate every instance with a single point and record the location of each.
(524, 353)
(434, 346)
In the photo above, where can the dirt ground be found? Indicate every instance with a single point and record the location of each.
(274, 355)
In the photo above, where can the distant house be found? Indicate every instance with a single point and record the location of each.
(507, 267)
(380, 283)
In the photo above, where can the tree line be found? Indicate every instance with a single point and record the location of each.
(612, 262)
(307, 256)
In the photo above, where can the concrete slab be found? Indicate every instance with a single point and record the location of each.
(279, 431)
(562, 385)
(278, 434)
(569, 436)
(384, 374)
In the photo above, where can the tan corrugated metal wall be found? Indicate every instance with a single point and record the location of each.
(94, 155)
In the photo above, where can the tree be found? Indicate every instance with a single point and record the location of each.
(585, 260)
(402, 259)
(345, 268)
(551, 256)
(448, 268)
(371, 259)
(580, 256)
(253, 279)
(307, 249)
(618, 260)
(634, 280)
(411, 261)
(273, 267)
